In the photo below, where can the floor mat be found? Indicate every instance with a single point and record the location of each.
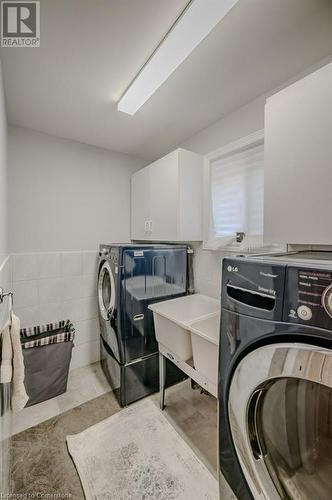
(137, 454)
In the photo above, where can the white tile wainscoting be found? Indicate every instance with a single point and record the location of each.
(59, 285)
(207, 270)
(5, 272)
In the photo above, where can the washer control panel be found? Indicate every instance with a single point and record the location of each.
(308, 297)
(114, 254)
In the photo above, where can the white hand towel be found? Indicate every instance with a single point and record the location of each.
(6, 367)
(19, 395)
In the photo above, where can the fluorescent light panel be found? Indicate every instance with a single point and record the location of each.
(192, 27)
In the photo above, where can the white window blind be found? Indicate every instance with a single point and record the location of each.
(237, 198)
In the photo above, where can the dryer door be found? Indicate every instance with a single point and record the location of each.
(106, 291)
(280, 412)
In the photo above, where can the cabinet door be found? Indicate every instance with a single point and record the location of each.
(140, 204)
(190, 213)
(164, 198)
(298, 162)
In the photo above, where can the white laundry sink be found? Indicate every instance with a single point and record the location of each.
(205, 345)
(172, 319)
(172, 336)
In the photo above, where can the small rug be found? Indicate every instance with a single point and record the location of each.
(137, 455)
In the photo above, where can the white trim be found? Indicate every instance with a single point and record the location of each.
(248, 140)
(251, 140)
(106, 311)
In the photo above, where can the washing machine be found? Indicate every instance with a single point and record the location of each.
(130, 278)
(275, 376)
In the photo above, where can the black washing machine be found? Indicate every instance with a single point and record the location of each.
(130, 278)
(275, 376)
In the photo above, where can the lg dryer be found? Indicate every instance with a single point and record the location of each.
(275, 380)
(131, 277)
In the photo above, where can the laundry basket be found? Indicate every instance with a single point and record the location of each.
(47, 353)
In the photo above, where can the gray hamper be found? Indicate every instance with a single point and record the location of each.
(47, 353)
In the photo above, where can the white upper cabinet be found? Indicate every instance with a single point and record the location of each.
(166, 199)
(140, 203)
(298, 162)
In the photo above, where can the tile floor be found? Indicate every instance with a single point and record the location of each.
(84, 384)
(40, 460)
(194, 416)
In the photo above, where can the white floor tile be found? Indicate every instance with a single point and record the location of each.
(34, 415)
(84, 384)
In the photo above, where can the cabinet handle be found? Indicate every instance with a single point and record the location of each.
(138, 317)
(146, 226)
(150, 226)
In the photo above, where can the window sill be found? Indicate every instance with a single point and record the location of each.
(236, 249)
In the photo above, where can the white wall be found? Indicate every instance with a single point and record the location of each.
(65, 195)
(244, 121)
(65, 199)
(3, 174)
(5, 271)
(240, 123)
(51, 286)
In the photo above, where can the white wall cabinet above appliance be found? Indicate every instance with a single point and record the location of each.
(298, 162)
(166, 199)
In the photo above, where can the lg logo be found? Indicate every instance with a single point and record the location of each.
(20, 24)
(232, 269)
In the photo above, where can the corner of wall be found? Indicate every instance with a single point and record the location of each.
(3, 175)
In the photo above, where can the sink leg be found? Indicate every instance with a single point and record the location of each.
(162, 380)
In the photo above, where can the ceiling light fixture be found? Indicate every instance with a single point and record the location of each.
(194, 24)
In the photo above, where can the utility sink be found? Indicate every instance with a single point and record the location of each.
(173, 320)
(205, 343)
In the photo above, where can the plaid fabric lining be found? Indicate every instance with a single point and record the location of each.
(52, 339)
(64, 331)
(50, 327)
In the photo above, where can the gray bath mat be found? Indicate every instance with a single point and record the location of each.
(137, 455)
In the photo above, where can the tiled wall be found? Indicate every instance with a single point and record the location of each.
(208, 267)
(5, 283)
(207, 270)
(53, 286)
(5, 272)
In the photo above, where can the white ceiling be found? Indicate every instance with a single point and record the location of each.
(91, 50)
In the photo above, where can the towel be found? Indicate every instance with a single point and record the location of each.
(12, 364)
(6, 368)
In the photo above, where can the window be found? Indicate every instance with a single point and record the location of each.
(235, 195)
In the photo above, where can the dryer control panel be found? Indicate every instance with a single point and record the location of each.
(308, 297)
(253, 289)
